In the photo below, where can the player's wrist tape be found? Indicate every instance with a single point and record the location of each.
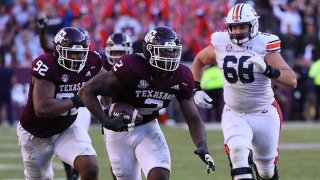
(202, 144)
(197, 87)
(77, 101)
(271, 73)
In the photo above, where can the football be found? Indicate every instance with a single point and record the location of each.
(130, 113)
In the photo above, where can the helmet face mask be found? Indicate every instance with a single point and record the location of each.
(71, 47)
(165, 57)
(239, 15)
(162, 48)
(117, 45)
(73, 59)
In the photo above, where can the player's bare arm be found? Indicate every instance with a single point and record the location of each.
(45, 104)
(195, 124)
(287, 76)
(205, 57)
(102, 84)
(197, 131)
(90, 90)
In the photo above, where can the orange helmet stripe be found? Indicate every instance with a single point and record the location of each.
(237, 11)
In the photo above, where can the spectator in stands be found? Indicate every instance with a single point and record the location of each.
(314, 73)
(27, 47)
(288, 14)
(307, 52)
(7, 79)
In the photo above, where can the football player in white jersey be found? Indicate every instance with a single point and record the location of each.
(251, 121)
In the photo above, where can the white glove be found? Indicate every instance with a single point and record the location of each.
(202, 100)
(257, 61)
(210, 163)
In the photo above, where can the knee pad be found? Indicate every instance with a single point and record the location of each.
(240, 162)
(274, 177)
(240, 157)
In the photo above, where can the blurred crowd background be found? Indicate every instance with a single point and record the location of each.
(296, 22)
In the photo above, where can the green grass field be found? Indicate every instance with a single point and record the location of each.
(299, 156)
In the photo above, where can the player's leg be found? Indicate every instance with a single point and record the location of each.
(74, 147)
(120, 149)
(37, 155)
(71, 173)
(265, 142)
(237, 138)
(152, 151)
(83, 120)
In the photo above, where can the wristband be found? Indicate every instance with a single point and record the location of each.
(197, 86)
(271, 73)
(77, 101)
(202, 144)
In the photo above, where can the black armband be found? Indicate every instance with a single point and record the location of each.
(197, 87)
(203, 145)
(271, 73)
(77, 102)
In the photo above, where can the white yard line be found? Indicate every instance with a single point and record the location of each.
(285, 126)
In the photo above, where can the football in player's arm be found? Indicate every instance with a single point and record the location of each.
(46, 126)
(251, 119)
(147, 81)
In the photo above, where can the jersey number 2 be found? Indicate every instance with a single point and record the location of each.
(244, 74)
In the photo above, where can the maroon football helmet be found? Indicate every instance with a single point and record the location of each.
(162, 48)
(71, 46)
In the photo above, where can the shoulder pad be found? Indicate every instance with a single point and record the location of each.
(271, 41)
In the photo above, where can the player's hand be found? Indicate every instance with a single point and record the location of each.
(77, 102)
(202, 100)
(257, 61)
(203, 153)
(42, 22)
(116, 124)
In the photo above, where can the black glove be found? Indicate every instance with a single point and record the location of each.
(203, 153)
(115, 124)
(77, 102)
(197, 87)
(271, 73)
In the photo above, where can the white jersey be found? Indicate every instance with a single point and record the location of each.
(245, 89)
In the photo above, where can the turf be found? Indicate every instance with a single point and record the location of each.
(299, 156)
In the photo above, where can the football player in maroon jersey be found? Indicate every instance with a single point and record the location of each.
(46, 126)
(71, 173)
(148, 81)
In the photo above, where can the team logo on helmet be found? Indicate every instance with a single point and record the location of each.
(150, 35)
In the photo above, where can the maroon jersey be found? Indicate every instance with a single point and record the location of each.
(146, 94)
(105, 63)
(67, 84)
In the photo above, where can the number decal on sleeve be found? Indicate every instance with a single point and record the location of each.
(158, 104)
(72, 111)
(117, 65)
(97, 54)
(244, 74)
(41, 68)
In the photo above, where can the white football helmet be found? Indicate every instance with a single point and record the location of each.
(242, 14)
(117, 45)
